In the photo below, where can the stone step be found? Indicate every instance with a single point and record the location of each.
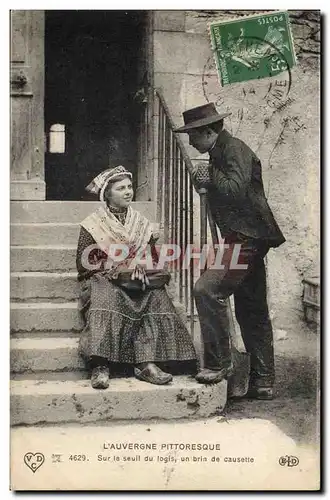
(44, 316)
(44, 233)
(42, 285)
(43, 258)
(42, 334)
(66, 211)
(34, 189)
(59, 286)
(55, 316)
(57, 376)
(37, 402)
(51, 357)
(45, 355)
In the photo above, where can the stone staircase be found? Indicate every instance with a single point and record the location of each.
(49, 383)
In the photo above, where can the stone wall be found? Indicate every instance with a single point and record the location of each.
(281, 125)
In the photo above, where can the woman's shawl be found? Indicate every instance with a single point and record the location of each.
(107, 230)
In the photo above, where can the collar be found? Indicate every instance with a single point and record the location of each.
(116, 210)
(213, 145)
(222, 139)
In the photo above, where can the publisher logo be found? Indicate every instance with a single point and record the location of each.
(288, 460)
(34, 460)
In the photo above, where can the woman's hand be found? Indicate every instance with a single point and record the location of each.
(139, 273)
(155, 236)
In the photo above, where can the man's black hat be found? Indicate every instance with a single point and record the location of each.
(200, 117)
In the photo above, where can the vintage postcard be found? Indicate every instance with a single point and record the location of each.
(165, 249)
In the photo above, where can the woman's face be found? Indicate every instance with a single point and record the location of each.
(119, 194)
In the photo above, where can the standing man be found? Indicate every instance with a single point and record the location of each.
(239, 207)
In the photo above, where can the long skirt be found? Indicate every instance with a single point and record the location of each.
(131, 326)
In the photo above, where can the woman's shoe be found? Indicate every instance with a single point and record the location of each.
(152, 374)
(100, 377)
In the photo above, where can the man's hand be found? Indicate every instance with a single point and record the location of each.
(200, 175)
(194, 170)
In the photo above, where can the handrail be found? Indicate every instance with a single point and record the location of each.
(175, 199)
(184, 153)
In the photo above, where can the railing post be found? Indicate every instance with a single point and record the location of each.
(160, 182)
(203, 218)
(181, 224)
(186, 235)
(175, 200)
(166, 179)
(191, 263)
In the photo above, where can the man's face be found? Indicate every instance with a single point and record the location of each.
(201, 139)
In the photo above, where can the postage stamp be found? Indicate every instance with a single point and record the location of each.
(253, 47)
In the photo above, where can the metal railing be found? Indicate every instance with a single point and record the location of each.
(175, 199)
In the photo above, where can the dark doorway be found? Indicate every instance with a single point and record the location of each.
(92, 116)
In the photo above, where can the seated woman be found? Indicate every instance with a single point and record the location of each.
(129, 318)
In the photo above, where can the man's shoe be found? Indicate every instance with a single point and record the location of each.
(100, 377)
(207, 376)
(152, 374)
(264, 393)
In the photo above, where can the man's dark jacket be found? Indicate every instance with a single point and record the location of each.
(236, 193)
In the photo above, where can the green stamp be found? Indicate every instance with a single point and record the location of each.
(252, 47)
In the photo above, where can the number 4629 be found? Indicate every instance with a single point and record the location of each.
(77, 458)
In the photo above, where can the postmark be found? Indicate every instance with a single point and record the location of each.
(264, 111)
(261, 101)
(252, 48)
(272, 92)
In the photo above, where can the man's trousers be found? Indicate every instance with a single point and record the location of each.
(251, 310)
